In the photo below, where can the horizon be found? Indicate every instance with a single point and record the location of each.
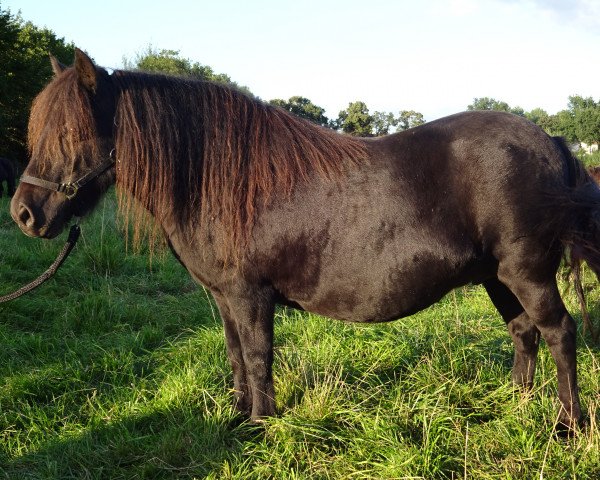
(434, 57)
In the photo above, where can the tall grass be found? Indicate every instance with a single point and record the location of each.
(116, 369)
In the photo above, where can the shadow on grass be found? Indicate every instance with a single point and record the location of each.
(176, 443)
(48, 404)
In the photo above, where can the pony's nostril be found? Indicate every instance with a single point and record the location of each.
(25, 215)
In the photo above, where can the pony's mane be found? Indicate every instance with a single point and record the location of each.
(197, 151)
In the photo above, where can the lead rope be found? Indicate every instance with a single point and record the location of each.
(71, 241)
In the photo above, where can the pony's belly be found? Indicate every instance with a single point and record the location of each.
(381, 291)
(372, 301)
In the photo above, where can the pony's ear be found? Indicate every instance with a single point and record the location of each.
(57, 67)
(86, 71)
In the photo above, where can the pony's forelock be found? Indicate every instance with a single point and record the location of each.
(61, 121)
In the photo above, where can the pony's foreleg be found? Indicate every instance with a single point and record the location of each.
(242, 392)
(250, 316)
(525, 336)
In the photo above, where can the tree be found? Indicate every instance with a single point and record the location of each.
(355, 120)
(487, 103)
(409, 119)
(577, 102)
(584, 114)
(169, 62)
(537, 116)
(383, 122)
(303, 107)
(580, 122)
(541, 118)
(25, 71)
(587, 125)
(563, 124)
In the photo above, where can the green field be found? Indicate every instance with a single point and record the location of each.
(116, 369)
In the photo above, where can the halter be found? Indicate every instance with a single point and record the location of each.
(69, 189)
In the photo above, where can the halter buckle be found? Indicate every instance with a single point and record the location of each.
(69, 189)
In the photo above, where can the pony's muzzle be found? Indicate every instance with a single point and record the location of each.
(30, 224)
(23, 216)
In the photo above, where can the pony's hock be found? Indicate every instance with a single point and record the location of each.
(263, 208)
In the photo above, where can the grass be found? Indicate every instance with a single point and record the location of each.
(116, 369)
(589, 159)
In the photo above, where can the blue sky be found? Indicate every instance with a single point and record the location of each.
(433, 56)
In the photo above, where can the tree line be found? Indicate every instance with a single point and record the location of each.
(355, 120)
(579, 122)
(25, 70)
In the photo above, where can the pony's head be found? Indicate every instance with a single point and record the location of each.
(70, 139)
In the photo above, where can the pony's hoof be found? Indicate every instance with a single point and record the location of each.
(569, 427)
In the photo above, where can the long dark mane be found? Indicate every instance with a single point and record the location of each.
(193, 150)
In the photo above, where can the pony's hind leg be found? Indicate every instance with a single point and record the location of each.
(544, 307)
(525, 335)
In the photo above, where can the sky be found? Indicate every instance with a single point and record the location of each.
(432, 56)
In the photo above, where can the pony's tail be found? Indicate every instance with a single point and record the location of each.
(582, 239)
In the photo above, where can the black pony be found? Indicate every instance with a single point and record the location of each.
(7, 174)
(264, 208)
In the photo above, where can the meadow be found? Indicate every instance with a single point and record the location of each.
(116, 369)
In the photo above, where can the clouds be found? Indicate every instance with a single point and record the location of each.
(580, 14)
(459, 8)
(584, 14)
